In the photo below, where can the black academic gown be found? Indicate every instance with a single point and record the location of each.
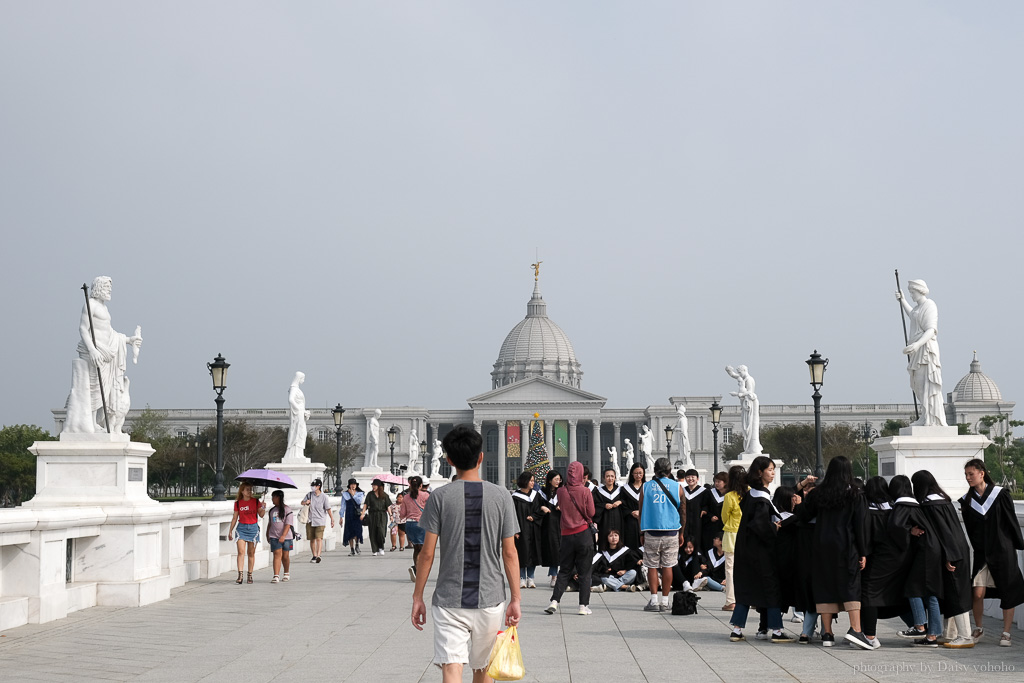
(607, 520)
(528, 545)
(687, 567)
(924, 576)
(630, 525)
(550, 529)
(787, 555)
(716, 566)
(838, 543)
(887, 566)
(803, 593)
(757, 582)
(711, 522)
(995, 536)
(610, 563)
(694, 506)
(956, 585)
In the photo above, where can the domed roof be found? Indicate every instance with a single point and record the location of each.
(536, 347)
(976, 385)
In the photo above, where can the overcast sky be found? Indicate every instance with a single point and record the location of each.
(356, 190)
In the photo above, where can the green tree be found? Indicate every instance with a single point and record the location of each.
(1004, 456)
(17, 465)
(327, 453)
(732, 450)
(893, 427)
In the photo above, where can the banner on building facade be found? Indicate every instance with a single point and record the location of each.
(513, 438)
(561, 439)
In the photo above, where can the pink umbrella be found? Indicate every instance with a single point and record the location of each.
(268, 478)
(393, 479)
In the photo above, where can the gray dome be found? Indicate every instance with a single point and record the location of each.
(536, 347)
(976, 385)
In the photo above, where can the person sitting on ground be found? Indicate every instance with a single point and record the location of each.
(618, 566)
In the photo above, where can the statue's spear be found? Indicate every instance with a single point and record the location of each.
(99, 374)
(906, 339)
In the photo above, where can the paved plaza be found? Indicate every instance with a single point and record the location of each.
(347, 619)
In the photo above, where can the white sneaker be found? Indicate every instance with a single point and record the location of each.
(584, 611)
(598, 589)
(530, 583)
(522, 583)
(701, 584)
(798, 618)
(552, 608)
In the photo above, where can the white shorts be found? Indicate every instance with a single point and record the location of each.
(466, 636)
(983, 579)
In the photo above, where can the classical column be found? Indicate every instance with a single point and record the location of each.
(572, 441)
(595, 450)
(617, 426)
(549, 440)
(502, 465)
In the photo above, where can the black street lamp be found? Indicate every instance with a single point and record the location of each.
(181, 479)
(716, 418)
(868, 434)
(197, 441)
(668, 442)
(339, 416)
(816, 364)
(219, 372)
(423, 453)
(392, 433)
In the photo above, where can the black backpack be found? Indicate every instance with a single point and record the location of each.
(684, 602)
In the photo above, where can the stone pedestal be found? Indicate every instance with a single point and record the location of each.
(91, 469)
(746, 461)
(303, 472)
(940, 450)
(439, 481)
(367, 475)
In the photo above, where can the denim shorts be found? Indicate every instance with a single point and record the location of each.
(249, 533)
(278, 545)
(415, 533)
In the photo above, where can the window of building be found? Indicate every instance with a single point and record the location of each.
(583, 441)
(726, 436)
(182, 433)
(491, 471)
(323, 435)
(492, 441)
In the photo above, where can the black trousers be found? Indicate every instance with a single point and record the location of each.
(575, 556)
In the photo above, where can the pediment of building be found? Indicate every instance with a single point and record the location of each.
(536, 391)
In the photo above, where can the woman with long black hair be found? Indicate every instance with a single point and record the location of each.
(550, 523)
(955, 603)
(630, 498)
(755, 573)
(913, 534)
(413, 506)
(995, 536)
(608, 505)
(839, 549)
(883, 576)
(731, 514)
(528, 541)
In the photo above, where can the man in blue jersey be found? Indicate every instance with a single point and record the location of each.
(662, 521)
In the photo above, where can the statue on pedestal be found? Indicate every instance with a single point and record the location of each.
(924, 368)
(414, 454)
(372, 439)
(297, 417)
(435, 460)
(614, 455)
(627, 452)
(749, 409)
(647, 448)
(682, 435)
(100, 363)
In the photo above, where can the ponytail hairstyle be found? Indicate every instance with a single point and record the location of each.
(415, 483)
(925, 485)
(979, 464)
(737, 480)
(876, 491)
(900, 487)
(278, 498)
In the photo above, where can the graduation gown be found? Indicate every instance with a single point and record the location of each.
(610, 563)
(630, 498)
(995, 536)
(787, 555)
(886, 570)
(757, 582)
(956, 585)
(803, 591)
(694, 506)
(924, 576)
(607, 520)
(716, 566)
(688, 566)
(528, 545)
(711, 522)
(550, 529)
(837, 544)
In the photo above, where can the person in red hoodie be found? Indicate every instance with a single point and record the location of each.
(576, 552)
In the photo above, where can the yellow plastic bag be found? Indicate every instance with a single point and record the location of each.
(506, 658)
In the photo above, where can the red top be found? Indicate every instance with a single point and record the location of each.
(412, 508)
(247, 510)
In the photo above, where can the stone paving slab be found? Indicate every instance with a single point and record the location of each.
(348, 618)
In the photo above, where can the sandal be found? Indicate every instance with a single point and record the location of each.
(239, 578)
(977, 633)
(276, 579)
(286, 577)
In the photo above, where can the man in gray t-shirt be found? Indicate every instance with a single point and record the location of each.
(319, 512)
(475, 523)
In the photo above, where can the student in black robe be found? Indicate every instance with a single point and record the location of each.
(690, 572)
(884, 574)
(757, 582)
(550, 523)
(803, 593)
(618, 567)
(912, 532)
(839, 550)
(716, 565)
(787, 549)
(608, 507)
(528, 541)
(631, 492)
(694, 494)
(711, 515)
(995, 536)
(956, 599)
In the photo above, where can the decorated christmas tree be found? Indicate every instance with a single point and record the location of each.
(537, 457)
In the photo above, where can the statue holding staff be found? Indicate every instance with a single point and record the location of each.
(297, 417)
(923, 351)
(750, 408)
(372, 439)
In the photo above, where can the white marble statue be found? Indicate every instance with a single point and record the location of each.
(627, 452)
(749, 409)
(414, 455)
(297, 417)
(435, 460)
(105, 360)
(614, 455)
(682, 436)
(372, 439)
(647, 448)
(924, 368)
